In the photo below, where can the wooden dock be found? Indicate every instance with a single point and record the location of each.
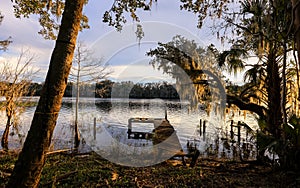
(164, 138)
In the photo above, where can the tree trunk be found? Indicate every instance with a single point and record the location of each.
(77, 134)
(284, 89)
(274, 117)
(28, 168)
(4, 140)
(296, 13)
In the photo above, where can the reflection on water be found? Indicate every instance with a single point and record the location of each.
(103, 106)
(116, 112)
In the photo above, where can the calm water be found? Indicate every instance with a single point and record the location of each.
(113, 114)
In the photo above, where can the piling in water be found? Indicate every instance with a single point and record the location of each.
(239, 132)
(94, 128)
(204, 129)
(200, 129)
(231, 130)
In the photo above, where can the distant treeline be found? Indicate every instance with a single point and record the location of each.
(109, 89)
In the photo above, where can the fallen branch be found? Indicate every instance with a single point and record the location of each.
(58, 151)
(68, 152)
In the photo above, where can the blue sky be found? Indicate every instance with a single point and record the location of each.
(120, 50)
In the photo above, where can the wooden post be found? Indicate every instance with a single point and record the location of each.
(247, 135)
(204, 129)
(94, 128)
(257, 149)
(166, 113)
(239, 132)
(200, 127)
(231, 130)
(194, 158)
(129, 128)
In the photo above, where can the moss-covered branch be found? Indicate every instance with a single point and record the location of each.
(259, 110)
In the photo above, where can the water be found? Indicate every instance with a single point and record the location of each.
(113, 115)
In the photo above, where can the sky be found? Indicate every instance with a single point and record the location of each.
(120, 50)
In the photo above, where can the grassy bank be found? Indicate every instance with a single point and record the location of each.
(90, 170)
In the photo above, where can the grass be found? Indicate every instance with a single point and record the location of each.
(90, 170)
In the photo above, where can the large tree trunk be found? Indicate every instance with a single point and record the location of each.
(274, 117)
(296, 13)
(4, 140)
(28, 168)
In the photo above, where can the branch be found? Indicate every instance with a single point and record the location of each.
(259, 110)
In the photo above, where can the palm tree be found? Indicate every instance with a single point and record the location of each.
(265, 32)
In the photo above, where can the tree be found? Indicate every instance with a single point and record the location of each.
(268, 30)
(85, 70)
(264, 31)
(28, 167)
(15, 82)
(201, 66)
(204, 75)
(258, 36)
(27, 170)
(103, 88)
(276, 12)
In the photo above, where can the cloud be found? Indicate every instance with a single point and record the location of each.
(139, 71)
(164, 21)
(125, 45)
(24, 33)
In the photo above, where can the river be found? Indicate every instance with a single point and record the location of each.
(114, 114)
